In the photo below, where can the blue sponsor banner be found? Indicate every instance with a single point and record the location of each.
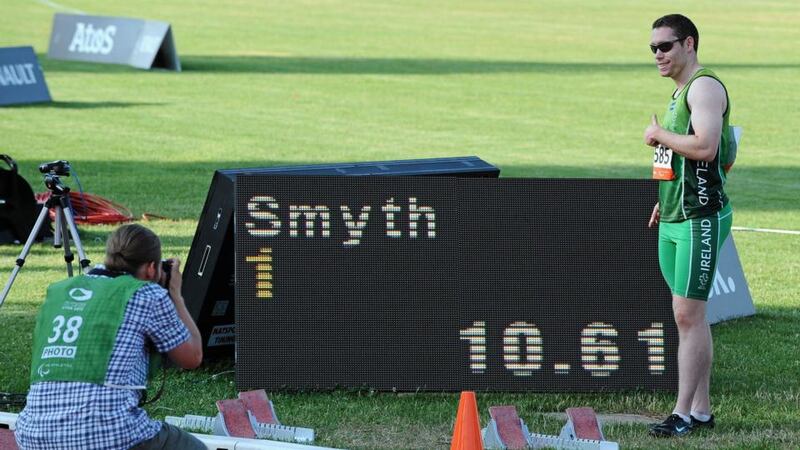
(21, 77)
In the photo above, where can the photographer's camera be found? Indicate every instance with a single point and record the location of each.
(166, 267)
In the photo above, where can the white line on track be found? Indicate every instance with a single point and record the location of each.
(765, 230)
(55, 5)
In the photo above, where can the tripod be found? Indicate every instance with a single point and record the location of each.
(64, 226)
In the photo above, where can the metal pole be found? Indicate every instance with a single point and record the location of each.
(70, 219)
(25, 250)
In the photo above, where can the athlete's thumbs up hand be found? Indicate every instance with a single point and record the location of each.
(651, 132)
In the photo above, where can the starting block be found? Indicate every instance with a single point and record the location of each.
(260, 406)
(7, 441)
(545, 441)
(251, 416)
(507, 431)
(8, 422)
(234, 420)
(212, 425)
(582, 423)
(231, 443)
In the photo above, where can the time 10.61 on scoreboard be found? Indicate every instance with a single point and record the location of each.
(398, 283)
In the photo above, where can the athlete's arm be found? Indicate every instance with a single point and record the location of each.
(707, 102)
(189, 354)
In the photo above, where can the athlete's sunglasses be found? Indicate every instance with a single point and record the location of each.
(664, 46)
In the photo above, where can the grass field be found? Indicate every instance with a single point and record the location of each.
(541, 89)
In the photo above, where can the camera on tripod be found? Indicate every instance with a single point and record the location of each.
(60, 167)
(64, 222)
(53, 170)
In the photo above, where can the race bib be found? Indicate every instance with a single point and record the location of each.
(662, 163)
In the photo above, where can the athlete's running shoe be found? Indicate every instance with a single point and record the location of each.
(672, 426)
(697, 424)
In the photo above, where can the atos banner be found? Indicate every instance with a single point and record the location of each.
(143, 44)
(21, 78)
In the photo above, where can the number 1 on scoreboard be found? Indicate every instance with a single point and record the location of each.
(476, 336)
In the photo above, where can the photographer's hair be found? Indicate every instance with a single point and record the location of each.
(130, 246)
(681, 25)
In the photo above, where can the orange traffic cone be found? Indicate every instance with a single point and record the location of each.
(467, 433)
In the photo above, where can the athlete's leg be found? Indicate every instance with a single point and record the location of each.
(693, 361)
(691, 281)
(701, 402)
(694, 355)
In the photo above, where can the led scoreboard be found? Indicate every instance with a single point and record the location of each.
(406, 283)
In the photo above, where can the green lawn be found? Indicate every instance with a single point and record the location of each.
(541, 89)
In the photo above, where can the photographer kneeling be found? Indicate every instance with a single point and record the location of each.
(94, 334)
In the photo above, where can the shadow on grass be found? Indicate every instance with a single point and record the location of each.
(54, 65)
(85, 105)
(377, 66)
(95, 105)
(177, 190)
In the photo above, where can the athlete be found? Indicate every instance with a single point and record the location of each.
(693, 213)
(91, 347)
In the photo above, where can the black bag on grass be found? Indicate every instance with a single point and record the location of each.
(18, 208)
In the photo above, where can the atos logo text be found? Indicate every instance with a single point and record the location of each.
(88, 39)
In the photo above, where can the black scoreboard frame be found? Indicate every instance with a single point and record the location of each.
(208, 274)
(446, 284)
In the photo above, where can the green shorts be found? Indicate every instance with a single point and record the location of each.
(688, 252)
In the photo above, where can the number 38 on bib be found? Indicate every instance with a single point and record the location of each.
(662, 163)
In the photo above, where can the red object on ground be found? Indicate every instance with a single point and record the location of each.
(509, 427)
(91, 209)
(584, 422)
(237, 422)
(7, 441)
(258, 404)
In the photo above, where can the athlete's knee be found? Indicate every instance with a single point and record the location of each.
(689, 313)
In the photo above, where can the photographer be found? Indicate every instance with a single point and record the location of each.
(93, 337)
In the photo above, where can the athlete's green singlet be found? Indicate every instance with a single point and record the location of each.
(696, 191)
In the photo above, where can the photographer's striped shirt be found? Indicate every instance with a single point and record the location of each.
(87, 416)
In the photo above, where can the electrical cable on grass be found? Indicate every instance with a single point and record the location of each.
(92, 209)
(214, 377)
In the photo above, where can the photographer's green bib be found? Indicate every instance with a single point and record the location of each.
(77, 326)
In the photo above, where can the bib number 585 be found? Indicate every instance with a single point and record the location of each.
(662, 163)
